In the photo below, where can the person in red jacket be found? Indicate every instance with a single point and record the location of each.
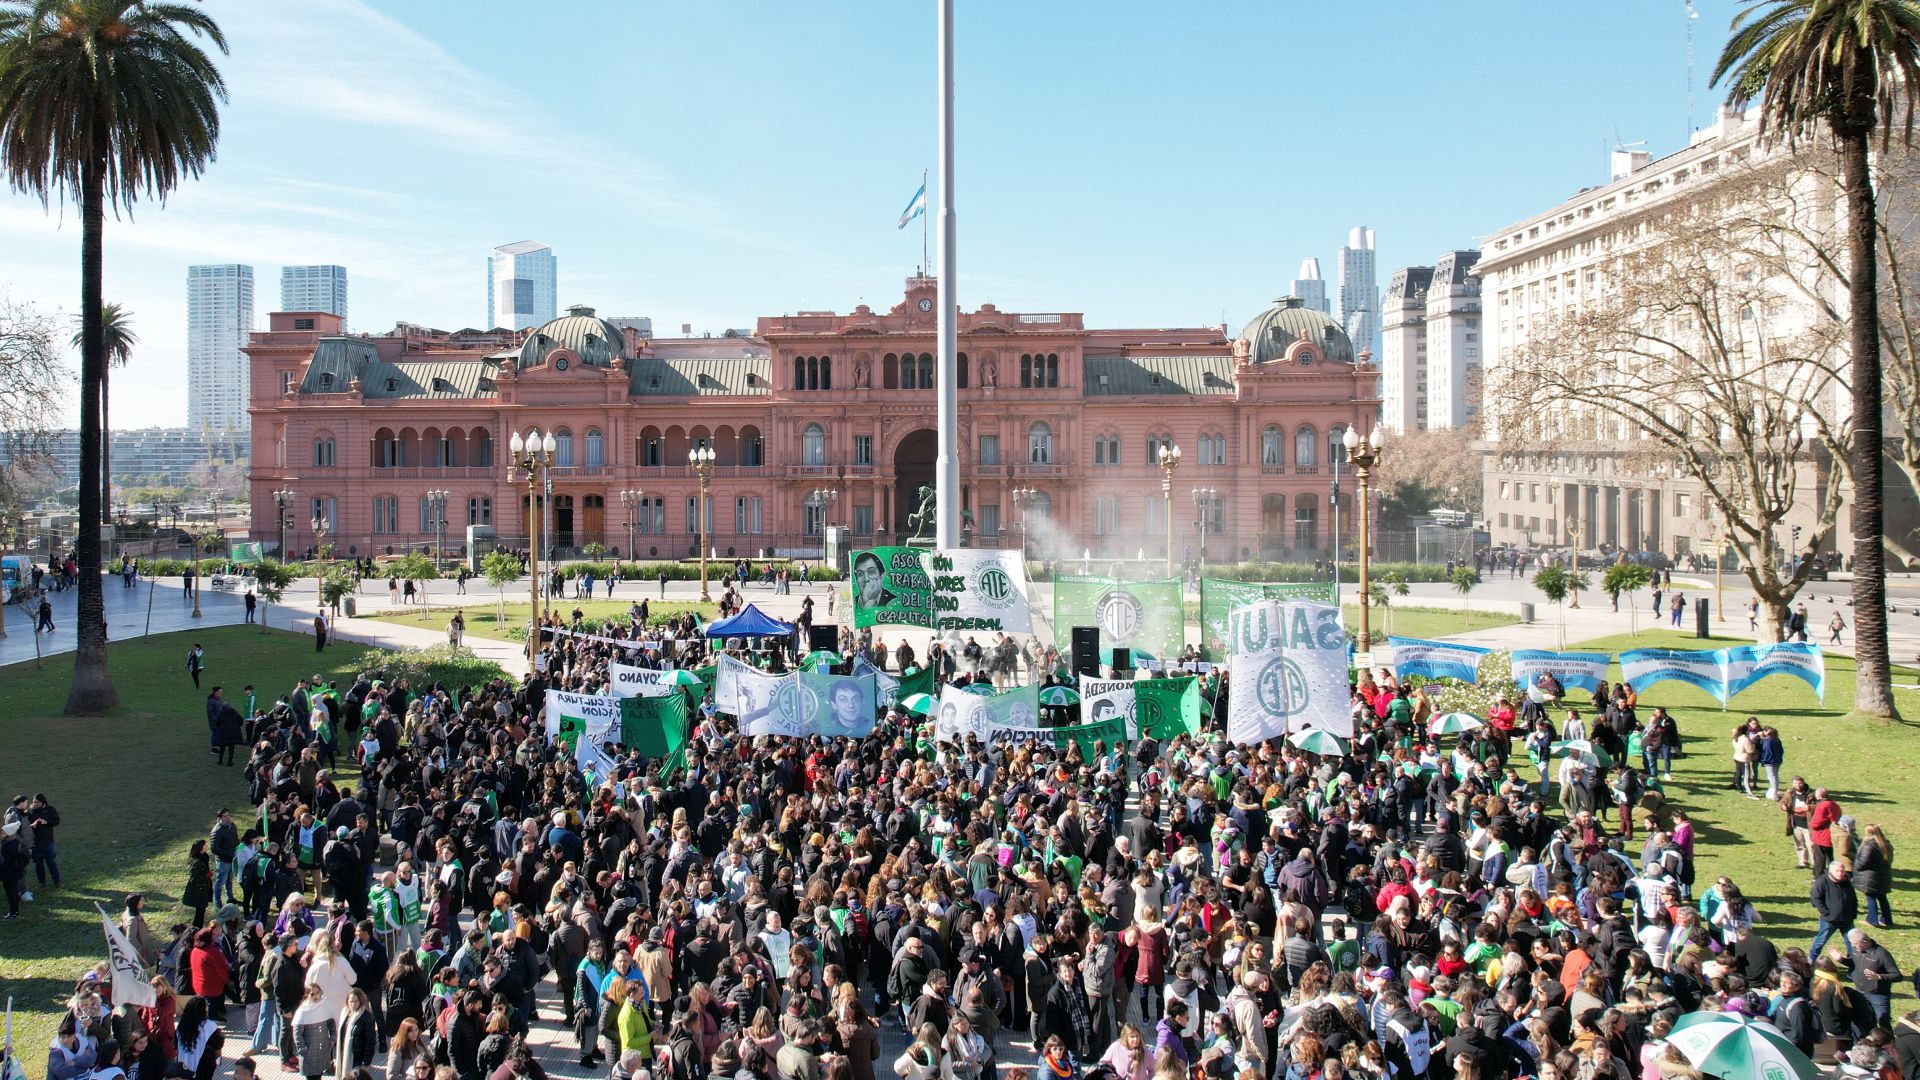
(1148, 937)
(208, 969)
(1820, 821)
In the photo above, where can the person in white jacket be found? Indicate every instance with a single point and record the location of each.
(331, 973)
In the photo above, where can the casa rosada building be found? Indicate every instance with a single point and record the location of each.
(815, 420)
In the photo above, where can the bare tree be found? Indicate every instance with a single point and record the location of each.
(32, 381)
(1698, 347)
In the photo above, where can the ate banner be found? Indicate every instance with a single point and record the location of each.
(985, 716)
(797, 704)
(1113, 732)
(1289, 671)
(1145, 615)
(960, 589)
(1164, 708)
(1218, 596)
(886, 688)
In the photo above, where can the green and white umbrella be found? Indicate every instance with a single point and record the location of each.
(981, 688)
(924, 704)
(1580, 749)
(1059, 695)
(1318, 741)
(1454, 723)
(823, 656)
(681, 678)
(1734, 1046)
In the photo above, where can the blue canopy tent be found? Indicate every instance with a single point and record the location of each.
(750, 622)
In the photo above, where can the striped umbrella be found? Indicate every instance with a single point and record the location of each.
(1735, 1046)
(1318, 741)
(823, 657)
(1059, 695)
(1454, 723)
(981, 688)
(681, 678)
(924, 704)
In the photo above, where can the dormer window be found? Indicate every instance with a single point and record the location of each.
(393, 385)
(303, 324)
(653, 381)
(326, 380)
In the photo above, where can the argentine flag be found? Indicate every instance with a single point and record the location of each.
(916, 206)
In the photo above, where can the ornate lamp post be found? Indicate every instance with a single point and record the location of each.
(437, 507)
(532, 454)
(633, 499)
(4, 597)
(1363, 455)
(1169, 461)
(1575, 531)
(321, 527)
(701, 458)
(1024, 497)
(822, 499)
(1203, 509)
(280, 500)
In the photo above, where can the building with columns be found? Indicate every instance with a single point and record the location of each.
(1060, 428)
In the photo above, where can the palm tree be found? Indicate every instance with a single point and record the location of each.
(116, 328)
(104, 102)
(1847, 65)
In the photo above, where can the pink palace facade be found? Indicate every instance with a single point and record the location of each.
(361, 428)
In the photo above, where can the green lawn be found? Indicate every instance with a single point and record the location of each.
(1872, 769)
(484, 621)
(1425, 622)
(134, 790)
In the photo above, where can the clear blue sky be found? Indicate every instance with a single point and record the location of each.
(711, 162)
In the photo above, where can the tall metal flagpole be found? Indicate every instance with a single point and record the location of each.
(947, 461)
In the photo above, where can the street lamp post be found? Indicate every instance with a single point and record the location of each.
(532, 454)
(823, 499)
(1719, 596)
(1363, 455)
(701, 458)
(437, 506)
(633, 499)
(1023, 497)
(1575, 532)
(1169, 461)
(1203, 508)
(321, 527)
(1334, 493)
(280, 500)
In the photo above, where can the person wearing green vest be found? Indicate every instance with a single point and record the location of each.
(409, 889)
(383, 908)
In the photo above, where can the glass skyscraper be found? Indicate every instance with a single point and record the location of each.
(521, 289)
(219, 318)
(314, 288)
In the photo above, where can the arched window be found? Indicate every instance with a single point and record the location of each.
(1271, 442)
(443, 451)
(1219, 449)
(563, 448)
(909, 372)
(750, 446)
(826, 373)
(1336, 444)
(1040, 444)
(1153, 449)
(1026, 371)
(1053, 370)
(596, 447)
(649, 448)
(1306, 447)
(799, 373)
(813, 373)
(960, 371)
(480, 453)
(890, 372)
(323, 451)
(926, 371)
(813, 445)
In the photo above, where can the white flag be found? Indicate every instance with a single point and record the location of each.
(129, 977)
(1288, 670)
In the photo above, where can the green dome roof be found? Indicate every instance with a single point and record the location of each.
(1271, 333)
(596, 341)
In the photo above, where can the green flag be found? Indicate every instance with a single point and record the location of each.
(673, 762)
(654, 726)
(1165, 708)
(1112, 732)
(1141, 615)
(918, 681)
(1218, 597)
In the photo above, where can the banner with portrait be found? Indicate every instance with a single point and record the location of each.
(1108, 699)
(959, 589)
(962, 713)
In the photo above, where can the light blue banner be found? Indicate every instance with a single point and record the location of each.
(1748, 664)
(1705, 669)
(1436, 659)
(1573, 670)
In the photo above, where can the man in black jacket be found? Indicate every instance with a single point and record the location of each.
(1874, 974)
(43, 818)
(1837, 905)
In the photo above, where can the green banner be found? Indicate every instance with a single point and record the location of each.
(1142, 615)
(1218, 596)
(244, 552)
(1164, 708)
(918, 681)
(946, 589)
(1112, 732)
(653, 726)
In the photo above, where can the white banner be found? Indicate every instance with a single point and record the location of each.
(582, 719)
(1289, 670)
(1108, 699)
(129, 977)
(624, 681)
(886, 688)
(984, 716)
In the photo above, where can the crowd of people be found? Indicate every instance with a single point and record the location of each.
(419, 881)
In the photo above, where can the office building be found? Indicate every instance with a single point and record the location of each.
(522, 288)
(1359, 299)
(1403, 350)
(1453, 341)
(1310, 287)
(314, 288)
(219, 318)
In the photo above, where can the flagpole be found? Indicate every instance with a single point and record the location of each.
(924, 263)
(946, 460)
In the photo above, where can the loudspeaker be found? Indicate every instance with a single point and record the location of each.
(1701, 618)
(1122, 662)
(823, 637)
(1086, 651)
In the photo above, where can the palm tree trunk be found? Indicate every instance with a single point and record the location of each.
(1873, 678)
(106, 444)
(92, 691)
